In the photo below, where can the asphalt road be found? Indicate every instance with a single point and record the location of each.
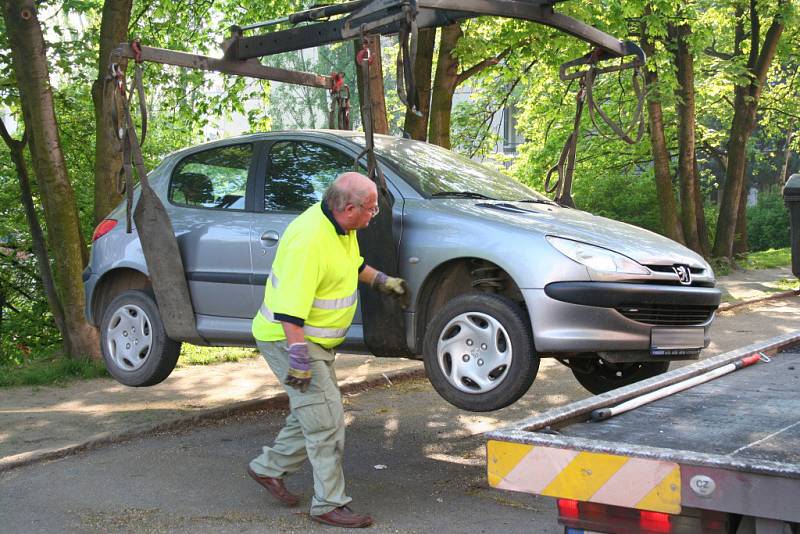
(433, 481)
(194, 481)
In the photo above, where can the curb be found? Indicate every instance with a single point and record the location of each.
(726, 306)
(187, 421)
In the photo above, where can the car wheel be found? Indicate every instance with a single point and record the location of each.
(598, 375)
(479, 353)
(135, 345)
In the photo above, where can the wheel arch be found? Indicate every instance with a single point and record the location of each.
(111, 284)
(457, 276)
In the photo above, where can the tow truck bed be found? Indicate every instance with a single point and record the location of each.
(729, 446)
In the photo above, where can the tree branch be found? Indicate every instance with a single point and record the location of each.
(486, 125)
(475, 69)
(781, 112)
(762, 64)
(711, 51)
(755, 36)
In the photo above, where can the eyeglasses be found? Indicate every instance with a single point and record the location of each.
(374, 210)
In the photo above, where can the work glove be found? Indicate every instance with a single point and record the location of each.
(299, 376)
(394, 287)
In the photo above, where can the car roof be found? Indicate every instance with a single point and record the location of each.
(320, 133)
(331, 135)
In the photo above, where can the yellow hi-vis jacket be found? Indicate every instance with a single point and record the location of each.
(313, 281)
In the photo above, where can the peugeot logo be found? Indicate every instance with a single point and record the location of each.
(684, 274)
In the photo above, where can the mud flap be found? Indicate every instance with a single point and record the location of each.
(382, 317)
(165, 265)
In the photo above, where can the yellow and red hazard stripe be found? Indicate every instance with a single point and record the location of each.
(585, 476)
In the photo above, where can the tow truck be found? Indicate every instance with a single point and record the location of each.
(712, 447)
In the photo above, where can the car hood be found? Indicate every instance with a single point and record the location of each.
(644, 246)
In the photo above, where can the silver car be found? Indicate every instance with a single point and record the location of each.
(500, 276)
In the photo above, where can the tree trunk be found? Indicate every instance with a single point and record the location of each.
(417, 126)
(107, 156)
(787, 155)
(702, 225)
(689, 186)
(444, 86)
(740, 237)
(61, 213)
(37, 236)
(744, 121)
(380, 123)
(668, 210)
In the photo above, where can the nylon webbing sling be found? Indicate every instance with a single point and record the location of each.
(156, 235)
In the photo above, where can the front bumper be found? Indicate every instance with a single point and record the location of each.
(608, 316)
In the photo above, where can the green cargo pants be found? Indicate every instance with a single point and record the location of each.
(314, 428)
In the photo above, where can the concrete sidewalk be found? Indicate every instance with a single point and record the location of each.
(743, 286)
(46, 422)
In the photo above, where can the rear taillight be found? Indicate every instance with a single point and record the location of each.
(654, 521)
(568, 508)
(105, 226)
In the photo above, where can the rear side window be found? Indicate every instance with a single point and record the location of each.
(300, 172)
(214, 179)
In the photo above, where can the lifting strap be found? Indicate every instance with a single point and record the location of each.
(406, 59)
(156, 235)
(364, 60)
(565, 167)
(383, 319)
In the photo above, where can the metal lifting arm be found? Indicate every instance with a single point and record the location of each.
(225, 65)
(387, 17)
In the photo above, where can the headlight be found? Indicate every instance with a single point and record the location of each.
(596, 258)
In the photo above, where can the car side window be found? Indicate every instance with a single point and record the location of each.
(299, 173)
(215, 179)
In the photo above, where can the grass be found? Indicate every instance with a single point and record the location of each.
(194, 355)
(52, 369)
(788, 284)
(768, 259)
(763, 259)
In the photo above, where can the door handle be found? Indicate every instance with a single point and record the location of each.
(270, 238)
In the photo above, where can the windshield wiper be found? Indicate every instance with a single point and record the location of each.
(460, 194)
(537, 201)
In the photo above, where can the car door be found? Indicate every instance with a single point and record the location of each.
(296, 174)
(210, 216)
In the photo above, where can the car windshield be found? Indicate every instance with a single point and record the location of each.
(436, 172)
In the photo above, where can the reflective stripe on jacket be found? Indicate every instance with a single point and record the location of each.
(314, 278)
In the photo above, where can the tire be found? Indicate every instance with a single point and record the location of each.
(135, 345)
(478, 352)
(599, 376)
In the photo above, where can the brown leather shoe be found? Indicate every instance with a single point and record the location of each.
(276, 487)
(344, 517)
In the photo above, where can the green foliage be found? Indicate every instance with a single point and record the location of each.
(788, 284)
(27, 325)
(194, 355)
(768, 259)
(623, 197)
(48, 371)
(768, 223)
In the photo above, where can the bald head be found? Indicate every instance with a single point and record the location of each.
(349, 188)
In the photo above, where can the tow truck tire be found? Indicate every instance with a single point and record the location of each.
(599, 376)
(478, 352)
(135, 346)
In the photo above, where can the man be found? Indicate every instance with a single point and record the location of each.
(309, 302)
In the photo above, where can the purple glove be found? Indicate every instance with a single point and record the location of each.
(299, 376)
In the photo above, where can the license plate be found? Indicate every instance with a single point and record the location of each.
(676, 341)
